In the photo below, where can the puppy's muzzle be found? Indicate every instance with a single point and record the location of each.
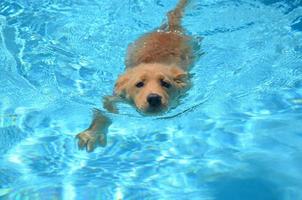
(154, 100)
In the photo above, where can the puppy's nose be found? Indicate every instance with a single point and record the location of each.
(154, 100)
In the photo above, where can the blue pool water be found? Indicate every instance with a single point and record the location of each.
(236, 135)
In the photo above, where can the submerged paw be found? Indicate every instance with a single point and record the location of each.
(91, 140)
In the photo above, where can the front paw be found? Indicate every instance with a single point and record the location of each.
(90, 140)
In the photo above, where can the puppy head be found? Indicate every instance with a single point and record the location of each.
(151, 86)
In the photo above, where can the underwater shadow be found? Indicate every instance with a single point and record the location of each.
(230, 188)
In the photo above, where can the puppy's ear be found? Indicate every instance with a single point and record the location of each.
(120, 85)
(179, 77)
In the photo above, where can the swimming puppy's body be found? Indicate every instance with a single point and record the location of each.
(165, 46)
(156, 66)
(156, 73)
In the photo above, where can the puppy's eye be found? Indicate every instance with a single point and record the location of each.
(165, 84)
(139, 84)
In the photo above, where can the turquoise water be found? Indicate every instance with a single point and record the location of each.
(236, 135)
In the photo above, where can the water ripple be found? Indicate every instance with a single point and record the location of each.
(235, 131)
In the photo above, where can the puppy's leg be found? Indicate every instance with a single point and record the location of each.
(96, 134)
(109, 103)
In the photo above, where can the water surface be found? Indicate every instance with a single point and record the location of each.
(239, 139)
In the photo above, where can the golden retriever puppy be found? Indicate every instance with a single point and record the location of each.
(156, 73)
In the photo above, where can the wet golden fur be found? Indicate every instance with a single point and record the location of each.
(161, 56)
(156, 63)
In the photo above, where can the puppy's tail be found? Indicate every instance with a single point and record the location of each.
(175, 15)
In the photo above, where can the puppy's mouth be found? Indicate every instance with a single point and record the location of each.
(151, 110)
(155, 110)
(153, 105)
